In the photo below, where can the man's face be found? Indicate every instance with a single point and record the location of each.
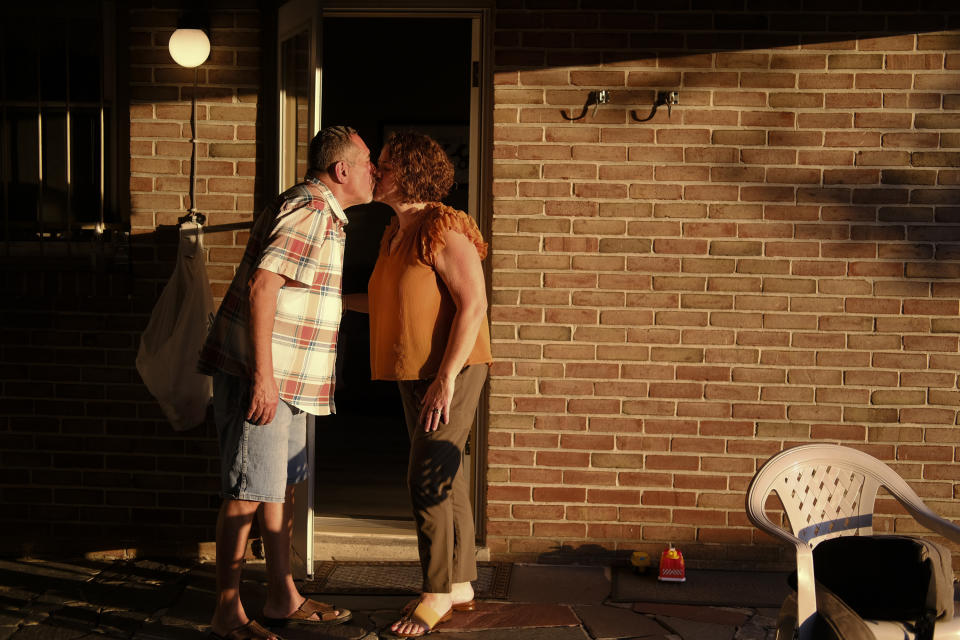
(361, 174)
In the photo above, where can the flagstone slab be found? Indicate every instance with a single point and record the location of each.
(124, 623)
(44, 572)
(15, 598)
(196, 606)
(698, 613)
(560, 584)
(500, 615)
(692, 630)
(168, 630)
(79, 617)
(10, 617)
(44, 631)
(706, 587)
(346, 631)
(604, 621)
(757, 628)
(555, 633)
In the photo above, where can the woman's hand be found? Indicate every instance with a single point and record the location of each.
(436, 403)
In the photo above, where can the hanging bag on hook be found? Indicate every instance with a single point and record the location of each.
(171, 343)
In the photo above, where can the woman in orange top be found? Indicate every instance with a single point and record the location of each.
(429, 332)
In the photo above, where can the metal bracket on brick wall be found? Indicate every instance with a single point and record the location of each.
(668, 98)
(193, 216)
(595, 98)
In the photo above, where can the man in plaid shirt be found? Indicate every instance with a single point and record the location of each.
(271, 352)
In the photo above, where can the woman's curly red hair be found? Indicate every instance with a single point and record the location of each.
(422, 170)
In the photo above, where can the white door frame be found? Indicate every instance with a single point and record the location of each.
(297, 15)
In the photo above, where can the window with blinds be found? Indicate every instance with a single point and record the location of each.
(57, 122)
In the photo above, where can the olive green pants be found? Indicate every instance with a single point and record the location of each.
(439, 486)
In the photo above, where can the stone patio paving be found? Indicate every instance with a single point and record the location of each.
(146, 600)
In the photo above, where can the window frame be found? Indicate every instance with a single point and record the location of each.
(109, 224)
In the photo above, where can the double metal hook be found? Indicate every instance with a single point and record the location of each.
(595, 98)
(668, 98)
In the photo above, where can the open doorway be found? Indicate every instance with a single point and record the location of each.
(378, 75)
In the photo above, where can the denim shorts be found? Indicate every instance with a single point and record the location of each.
(257, 461)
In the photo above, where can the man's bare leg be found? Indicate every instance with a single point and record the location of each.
(233, 529)
(276, 526)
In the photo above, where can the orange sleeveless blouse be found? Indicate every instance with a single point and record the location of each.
(411, 311)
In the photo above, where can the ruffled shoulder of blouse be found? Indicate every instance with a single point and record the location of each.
(439, 218)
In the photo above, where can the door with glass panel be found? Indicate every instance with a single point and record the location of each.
(298, 118)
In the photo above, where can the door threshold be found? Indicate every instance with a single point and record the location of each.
(368, 526)
(364, 539)
(342, 539)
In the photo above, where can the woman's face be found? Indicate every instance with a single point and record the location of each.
(386, 189)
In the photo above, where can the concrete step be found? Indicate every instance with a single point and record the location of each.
(368, 540)
(355, 539)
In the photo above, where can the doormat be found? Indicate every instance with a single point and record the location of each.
(704, 587)
(399, 578)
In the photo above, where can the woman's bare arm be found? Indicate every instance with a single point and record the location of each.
(458, 265)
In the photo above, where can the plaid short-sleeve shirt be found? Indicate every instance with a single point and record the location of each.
(301, 237)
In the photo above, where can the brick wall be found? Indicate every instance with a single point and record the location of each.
(88, 462)
(676, 300)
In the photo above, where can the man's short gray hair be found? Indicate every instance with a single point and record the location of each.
(329, 146)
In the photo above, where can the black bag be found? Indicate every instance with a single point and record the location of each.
(889, 577)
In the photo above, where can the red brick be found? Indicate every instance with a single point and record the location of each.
(673, 463)
(559, 494)
(559, 529)
(537, 512)
(591, 513)
(586, 478)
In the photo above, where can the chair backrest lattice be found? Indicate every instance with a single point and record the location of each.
(827, 491)
(825, 500)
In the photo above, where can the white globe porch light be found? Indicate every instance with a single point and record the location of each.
(189, 47)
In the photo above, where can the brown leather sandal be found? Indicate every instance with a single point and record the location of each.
(325, 614)
(423, 615)
(469, 605)
(250, 631)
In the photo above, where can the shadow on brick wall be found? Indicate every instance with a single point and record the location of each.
(88, 462)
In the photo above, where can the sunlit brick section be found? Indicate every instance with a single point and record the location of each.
(675, 300)
(230, 143)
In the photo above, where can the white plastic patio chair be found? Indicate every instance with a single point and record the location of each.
(829, 491)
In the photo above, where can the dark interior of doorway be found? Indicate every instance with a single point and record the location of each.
(379, 75)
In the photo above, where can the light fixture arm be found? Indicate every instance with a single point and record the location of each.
(194, 216)
(189, 47)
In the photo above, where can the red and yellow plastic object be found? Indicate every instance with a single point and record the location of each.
(672, 568)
